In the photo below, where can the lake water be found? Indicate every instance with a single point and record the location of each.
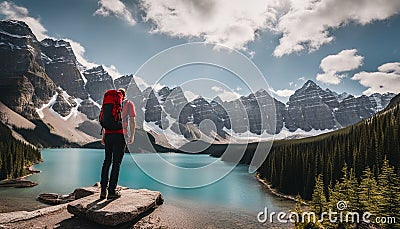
(65, 169)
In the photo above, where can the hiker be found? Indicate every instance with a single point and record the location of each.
(114, 137)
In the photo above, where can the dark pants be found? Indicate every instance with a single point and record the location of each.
(114, 148)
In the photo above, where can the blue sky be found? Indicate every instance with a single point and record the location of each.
(348, 46)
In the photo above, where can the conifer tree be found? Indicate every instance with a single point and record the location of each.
(368, 192)
(299, 224)
(389, 188)
(318, 202)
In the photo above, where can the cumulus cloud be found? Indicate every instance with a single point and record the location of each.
(345, 60)
(225, 95)
(115, 8)
(112, 71)
(330, 77)
(141, 83)
(190, 96)
(285, 93)
(386, 79)
(12, 11)
(307, 23)
(390, 67)
(233, 23)
(79, 52)
(333, 65)
(301, 24)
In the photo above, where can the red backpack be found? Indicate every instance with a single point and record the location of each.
(110, 114)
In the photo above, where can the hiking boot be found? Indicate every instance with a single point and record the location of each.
(113, 195)
(103, 194)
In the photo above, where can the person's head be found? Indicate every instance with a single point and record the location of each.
(123, 91)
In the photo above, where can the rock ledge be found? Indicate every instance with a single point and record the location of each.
(131, 206)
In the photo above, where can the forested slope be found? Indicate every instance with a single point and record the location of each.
(292, 165)
(15, 155)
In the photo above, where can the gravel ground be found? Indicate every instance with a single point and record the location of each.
(168, 215)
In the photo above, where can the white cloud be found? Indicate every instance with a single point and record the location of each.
(307, 23)
(116, 8)
(224, 94)
(79, 52)
(390, 67)
(283, 93)
(141, 83)
(302, 24)
(345, 60)
(330, 77)
(251, 54)
(112, 71)
(332, 65)
(233, 23)
(217, 89)
(12, 11)
(190, 96)
(387, 79)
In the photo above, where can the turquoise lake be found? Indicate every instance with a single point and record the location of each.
(63, 170)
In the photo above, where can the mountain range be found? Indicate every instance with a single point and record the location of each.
(45, 86)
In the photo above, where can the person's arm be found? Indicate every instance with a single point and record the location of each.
(132, 125)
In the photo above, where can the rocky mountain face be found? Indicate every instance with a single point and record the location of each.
(98, 81)
(90, 109)
(62, 67)
(153, 111)
(123, 82)
(310, 107)
(32, 72)
(353, 109)
(134, 94)
(24, 83)
(173, 100)
(62, 106)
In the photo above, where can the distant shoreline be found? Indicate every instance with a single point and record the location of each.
(274, 191)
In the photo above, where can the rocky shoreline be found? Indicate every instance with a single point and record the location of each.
(21, 182)
(17, 183)
(276, 192)
(89, 210)
(173, 213)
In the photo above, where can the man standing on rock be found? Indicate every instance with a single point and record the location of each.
(115, 146)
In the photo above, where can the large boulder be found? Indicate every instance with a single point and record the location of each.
(130, 206)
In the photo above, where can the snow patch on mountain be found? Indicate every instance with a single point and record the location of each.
(94, 102)
(174, 139)
(47, 105)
